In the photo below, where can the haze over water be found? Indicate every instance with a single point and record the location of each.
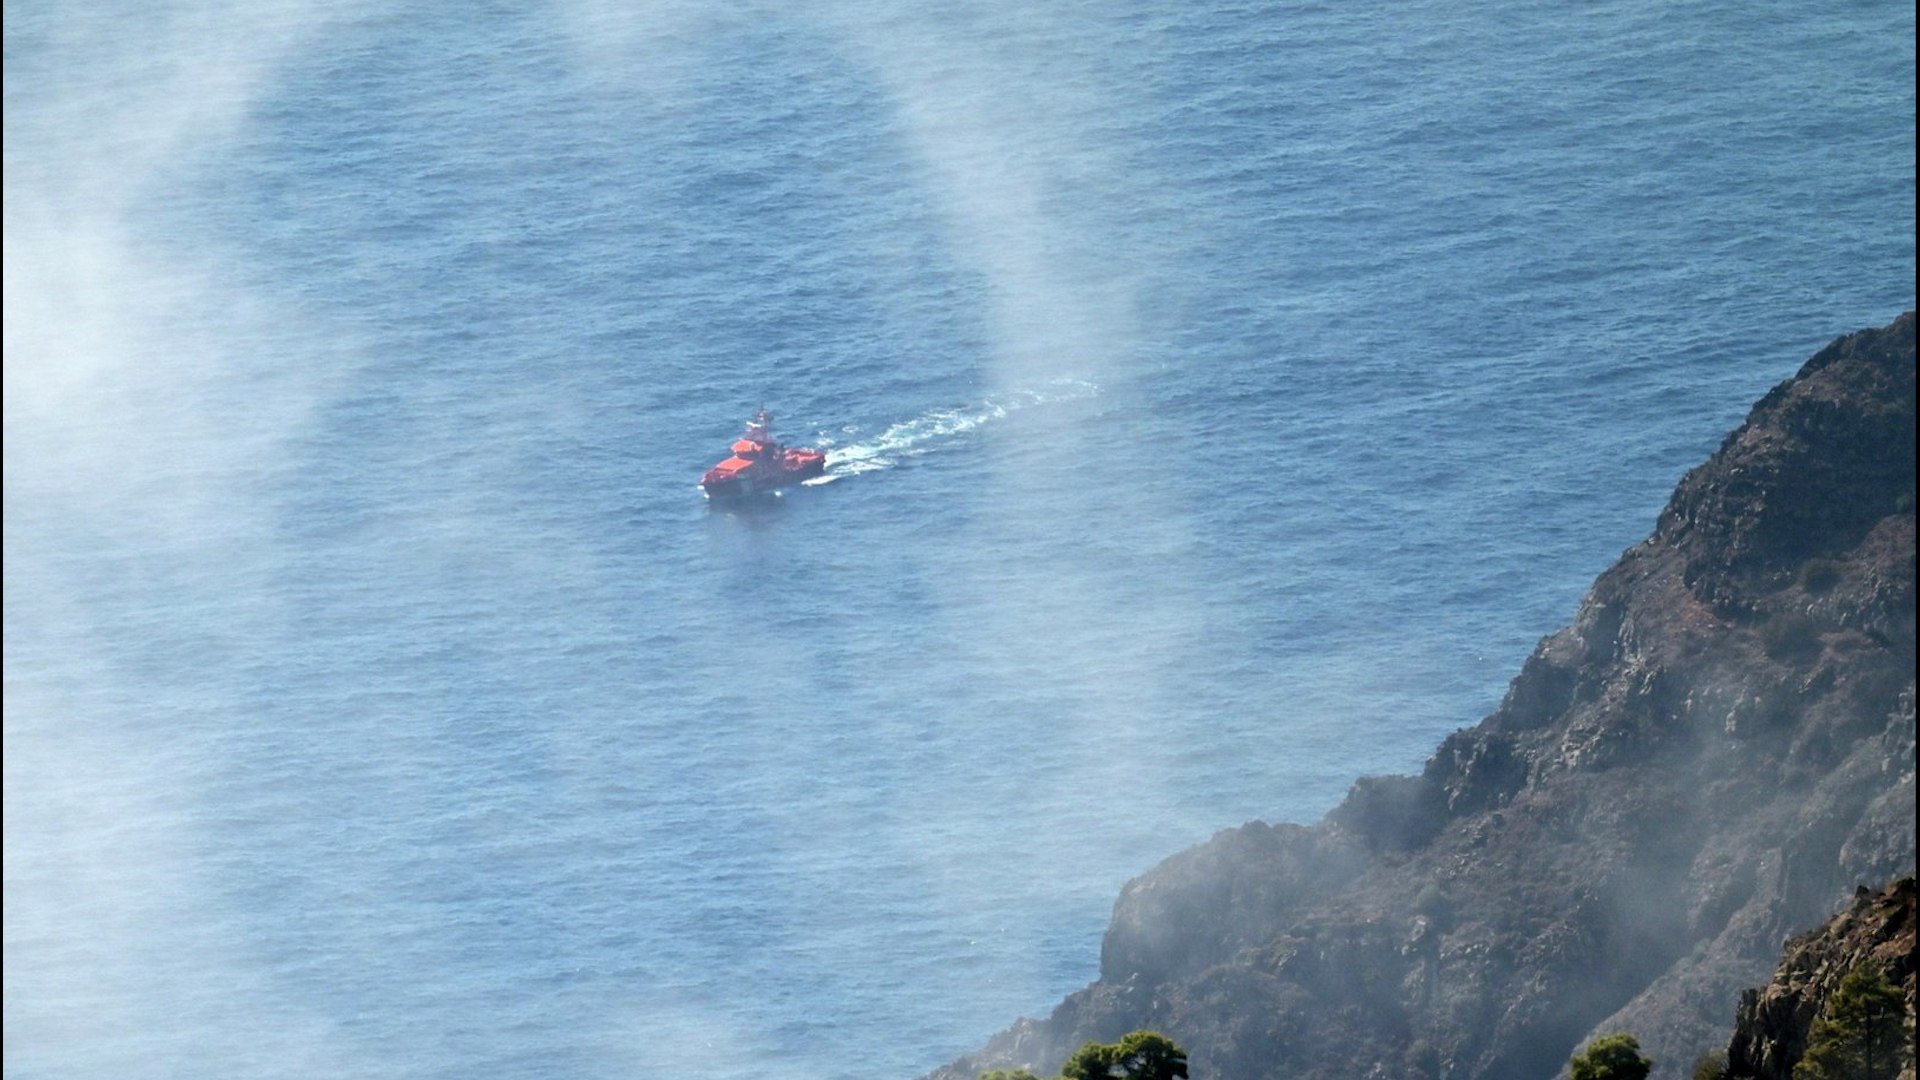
(1224, 399)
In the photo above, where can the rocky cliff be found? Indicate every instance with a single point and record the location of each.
(1715, 753)
(1877, 929)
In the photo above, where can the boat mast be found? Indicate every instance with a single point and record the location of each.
(760, 428)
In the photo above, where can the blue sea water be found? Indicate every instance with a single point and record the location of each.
(1222, 399)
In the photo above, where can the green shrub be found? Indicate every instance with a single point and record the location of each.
(1790, 636)
(1423, 1060)
(1819, 575)
(1611, 1057)
(1710, 1066)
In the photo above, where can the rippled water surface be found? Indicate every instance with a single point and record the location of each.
(1221, 399)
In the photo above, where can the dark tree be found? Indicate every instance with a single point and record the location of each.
(1860, 1035)
(1141, 1055)
(1611, 1057)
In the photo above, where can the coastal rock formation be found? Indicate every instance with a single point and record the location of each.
(1770, 1031)
(1715, 753)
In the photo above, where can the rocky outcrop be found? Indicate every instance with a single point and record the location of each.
(1713, 755)
(1770, 1030)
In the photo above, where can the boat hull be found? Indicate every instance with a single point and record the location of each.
(743, 485)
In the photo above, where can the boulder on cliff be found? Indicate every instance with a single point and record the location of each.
(1713, 755)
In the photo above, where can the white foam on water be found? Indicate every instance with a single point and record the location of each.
(930, 430)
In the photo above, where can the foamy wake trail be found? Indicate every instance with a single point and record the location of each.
(928, 431)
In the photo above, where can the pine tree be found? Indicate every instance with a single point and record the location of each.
(1141, 1055)
(1860, 1034)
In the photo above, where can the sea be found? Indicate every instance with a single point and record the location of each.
(1221, 400)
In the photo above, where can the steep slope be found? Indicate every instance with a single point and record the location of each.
(1712, 756)
(1770, 1032)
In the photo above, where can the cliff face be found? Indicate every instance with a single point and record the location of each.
(1770, 1032)
(1712, 756)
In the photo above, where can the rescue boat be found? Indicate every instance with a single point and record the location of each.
(760, 463)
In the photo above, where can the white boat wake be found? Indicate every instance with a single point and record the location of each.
(928, 431)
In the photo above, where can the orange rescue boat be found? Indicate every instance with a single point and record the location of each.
(759, 463)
